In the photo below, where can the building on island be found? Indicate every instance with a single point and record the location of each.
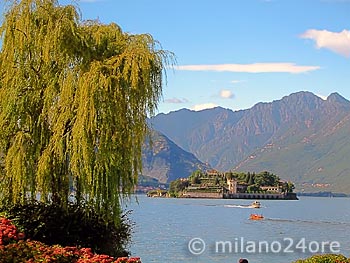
(235, 187)
(271, 189)
(214, 184)
(236, 190)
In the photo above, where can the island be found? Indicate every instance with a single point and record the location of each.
(229, 185)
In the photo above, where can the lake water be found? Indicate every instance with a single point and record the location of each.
(290, 229)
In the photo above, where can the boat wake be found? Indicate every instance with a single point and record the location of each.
(239, 206)
(307, 221)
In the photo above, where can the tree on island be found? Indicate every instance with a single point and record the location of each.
(288, 187)
(74, 98)
(266, 179)
(177, 186)
(195, 177)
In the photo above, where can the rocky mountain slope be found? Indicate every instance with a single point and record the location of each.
(300, 137)
(165, 161)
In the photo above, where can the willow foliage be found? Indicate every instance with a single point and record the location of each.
(74, 98)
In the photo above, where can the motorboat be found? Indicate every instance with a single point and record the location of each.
(256, 204)
(256, 217)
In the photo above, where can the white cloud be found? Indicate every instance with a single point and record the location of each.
(321, 96)
(176, 100)
(334, 41)
(251, 68)
(204, 106)
(226, 94)
(236, 81)
(336, 1)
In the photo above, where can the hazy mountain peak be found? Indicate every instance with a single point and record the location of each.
(166, 161)
(336, 97)
(301, 96)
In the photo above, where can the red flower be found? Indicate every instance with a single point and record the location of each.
(13, 243)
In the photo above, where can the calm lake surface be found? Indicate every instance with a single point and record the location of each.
(164, 228)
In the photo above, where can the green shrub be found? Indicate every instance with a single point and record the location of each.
(327, 258)
(75, 226)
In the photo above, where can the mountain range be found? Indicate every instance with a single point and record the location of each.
(300, 137)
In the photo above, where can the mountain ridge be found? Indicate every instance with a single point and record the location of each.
(302, 121)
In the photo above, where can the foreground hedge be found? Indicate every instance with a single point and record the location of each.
(75, 226)
(14, 248)
(328, 258)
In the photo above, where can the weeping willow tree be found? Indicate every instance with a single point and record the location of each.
(74, 98)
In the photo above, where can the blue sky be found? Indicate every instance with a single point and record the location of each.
(235, 53)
